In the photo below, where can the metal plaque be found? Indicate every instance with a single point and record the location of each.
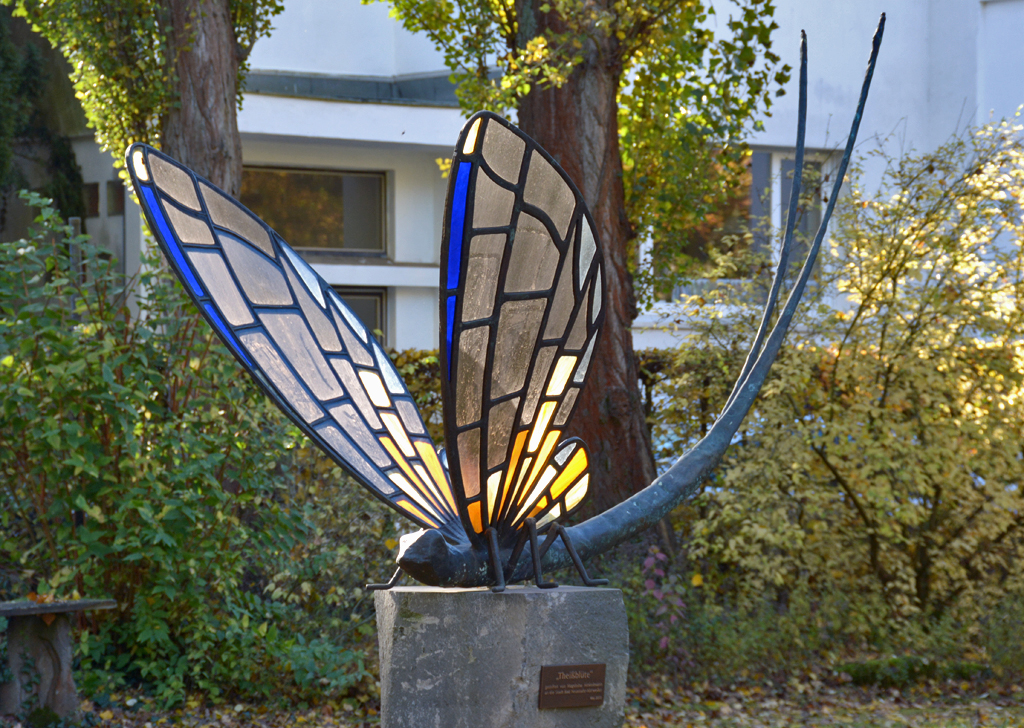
(571, 686)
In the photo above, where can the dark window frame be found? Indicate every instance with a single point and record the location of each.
(380, 293)
(318, 253)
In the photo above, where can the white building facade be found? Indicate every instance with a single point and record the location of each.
(345, 113)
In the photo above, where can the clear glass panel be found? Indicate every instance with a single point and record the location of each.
(355, 390)
(410, 416)
(189, 229)
(561, 306)
(174, 182)
(391, 378)
(469, 386)
(225, 212)
(353, 459)
(485, 253)
(597, 297)
(306, 273)
(375, 389)
(503, 152)
(213, 271)
(268, 359)
(469, 461)
(260, 279)
(546, 189)
(354, 427)
(492, 205)
(540, 375)
(356, 351)
(292, 336)
(317, 319)
(560, 376)
(564, 453)
(587, 249)
(579, 327)
(353, 320)
(565, 409)
(318, 209)
(581, 372)
(500, 420)
(534, 257)
(516, 342)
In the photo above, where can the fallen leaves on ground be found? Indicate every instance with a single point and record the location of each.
(812, 702)
(655, 704)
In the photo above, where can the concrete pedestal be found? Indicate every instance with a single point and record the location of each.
(469, 658)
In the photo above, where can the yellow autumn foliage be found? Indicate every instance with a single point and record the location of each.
(883, 461)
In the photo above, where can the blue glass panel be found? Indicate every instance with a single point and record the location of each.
(458, 223)
(169, 240)
(448, 331)
(226, 333)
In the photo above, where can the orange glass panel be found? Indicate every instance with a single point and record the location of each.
(517, 450)
(410, 490)
(473, 509)
(493, 483)
(470, 146)
(410, 508)
(398, 432)
(572, 471)
(542, 484)
(574, 496)
(541, 425)
(542, 459)
(429, 457)
(541, 505)
(418, 488)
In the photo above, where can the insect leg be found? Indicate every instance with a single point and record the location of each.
(560, 530)
(531, 527)
(516, 553)
(499, 573)
(388, 585)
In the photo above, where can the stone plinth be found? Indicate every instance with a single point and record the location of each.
(39, 655)
(469, 658)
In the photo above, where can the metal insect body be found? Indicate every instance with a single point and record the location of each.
(521, 304)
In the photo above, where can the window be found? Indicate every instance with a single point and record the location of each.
(91, 197)
(115, 198)
(760, 206)
(808, 216)
(319, 211)
(369, 304)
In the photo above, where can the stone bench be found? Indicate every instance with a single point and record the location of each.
(39, 635)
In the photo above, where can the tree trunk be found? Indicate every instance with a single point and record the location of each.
(202, 132)
(578, 125)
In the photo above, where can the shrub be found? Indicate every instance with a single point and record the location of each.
(882, 462)
(138, 465)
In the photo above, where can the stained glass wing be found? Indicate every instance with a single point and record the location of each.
(301, 343)
(522, 301)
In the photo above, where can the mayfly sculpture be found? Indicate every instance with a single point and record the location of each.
(521, 304)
